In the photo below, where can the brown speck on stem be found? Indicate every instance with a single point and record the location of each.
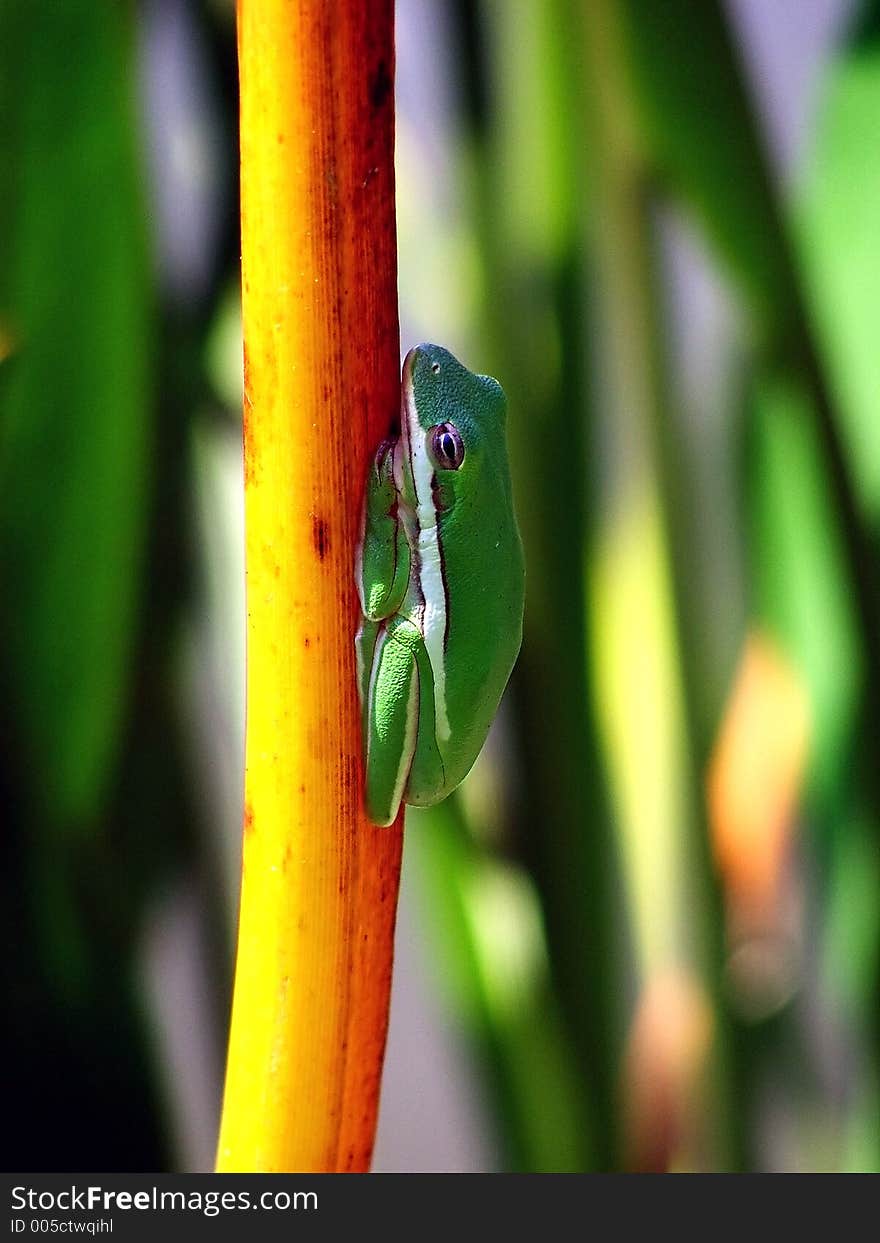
(320, 536)
(380, 85)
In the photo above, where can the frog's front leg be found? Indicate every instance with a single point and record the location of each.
(399, 721)
(383, 563)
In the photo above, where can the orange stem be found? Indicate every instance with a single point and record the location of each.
(319, 883)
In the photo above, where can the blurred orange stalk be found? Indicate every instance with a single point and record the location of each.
(756, 777)
(319, 883)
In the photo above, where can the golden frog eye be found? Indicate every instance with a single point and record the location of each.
(447, 447)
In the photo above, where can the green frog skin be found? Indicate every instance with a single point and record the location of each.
(441, 583)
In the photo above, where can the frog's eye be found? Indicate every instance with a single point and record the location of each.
(447, 447)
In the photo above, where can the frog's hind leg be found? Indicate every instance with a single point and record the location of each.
(427, 778)
(391, 720)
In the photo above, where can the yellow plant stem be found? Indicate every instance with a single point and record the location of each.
(319, 883)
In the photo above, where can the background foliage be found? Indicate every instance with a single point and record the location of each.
(651, 912)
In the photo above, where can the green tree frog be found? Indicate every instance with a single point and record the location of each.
(440, 577)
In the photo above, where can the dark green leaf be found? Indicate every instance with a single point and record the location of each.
(74, 392)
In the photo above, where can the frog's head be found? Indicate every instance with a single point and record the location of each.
(452, 432)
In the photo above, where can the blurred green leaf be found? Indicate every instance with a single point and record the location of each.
(488, 935)
(533, 189)
(698, 135)
(801, 587)
(699, 132)
(840, 249)
(850, 948)
(75, 391)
